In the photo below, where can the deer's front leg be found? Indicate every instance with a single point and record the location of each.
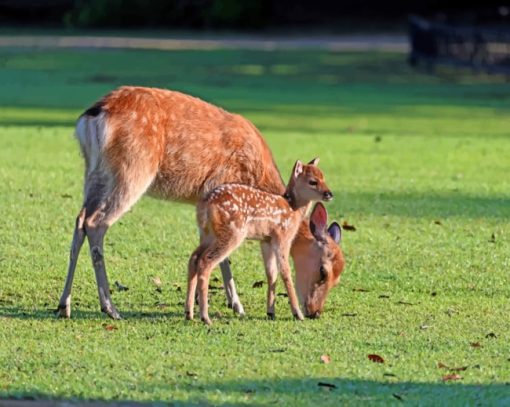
(271, 273)
(230, 288)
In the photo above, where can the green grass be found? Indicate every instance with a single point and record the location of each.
(419, 164)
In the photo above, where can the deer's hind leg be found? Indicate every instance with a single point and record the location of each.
(101, 214)
(64, 305)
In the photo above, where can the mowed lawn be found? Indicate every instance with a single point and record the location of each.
(419, 164)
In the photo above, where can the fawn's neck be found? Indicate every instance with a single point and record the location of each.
(295, 202)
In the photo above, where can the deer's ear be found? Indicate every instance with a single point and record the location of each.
(315, 161)
(319, 221)
(298, 169)
(335, 231)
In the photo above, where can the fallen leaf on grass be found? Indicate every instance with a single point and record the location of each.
(325, 359)
(453, 369)
(157, 281)
(66, 196)
(389, 375)
(360, 290)
(476, 344)
(493, 238)
(438, 222)
(109, 327)
(121, 287)
(191, 374)
(375, 358)
(404, 303)
(397, 396)
(384, 296)
(276, 350)
(257, 284)
(453, 376)
(491, 335)
(328, 385)
(349, 314)
(346, 226)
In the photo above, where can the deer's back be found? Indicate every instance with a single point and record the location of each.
(194, 145)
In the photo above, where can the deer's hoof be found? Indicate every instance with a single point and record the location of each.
(299, 316)
(112, 313)
(206, 321)
(270, 315)
(188, 315)
(238, 309)
(63, 311)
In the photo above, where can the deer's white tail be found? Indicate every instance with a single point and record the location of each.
(91, 133)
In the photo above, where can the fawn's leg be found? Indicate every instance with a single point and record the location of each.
(282, 258)
(218, 250)
(230, 288)
(64, 305)
(272, 273)
(192, 281)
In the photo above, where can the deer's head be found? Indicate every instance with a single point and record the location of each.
(318, 260)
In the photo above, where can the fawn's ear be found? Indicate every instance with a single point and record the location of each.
(298, 169)
(335, 231)
(315, 161)
(319, 222)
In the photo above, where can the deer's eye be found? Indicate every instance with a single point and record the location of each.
(312, 183)
(323, 272)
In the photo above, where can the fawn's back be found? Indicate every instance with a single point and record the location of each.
(236, 207)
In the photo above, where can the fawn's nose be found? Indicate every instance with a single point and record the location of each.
(327, 196)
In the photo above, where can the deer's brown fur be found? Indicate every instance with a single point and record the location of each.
(139, 140)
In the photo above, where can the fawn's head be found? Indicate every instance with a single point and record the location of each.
(318, 260)
(307, 184)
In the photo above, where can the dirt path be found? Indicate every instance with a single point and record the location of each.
(394, 43)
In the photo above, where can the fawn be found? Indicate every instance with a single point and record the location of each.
(138, 140)
(232, 213)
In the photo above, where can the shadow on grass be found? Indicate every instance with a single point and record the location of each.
(291, 391)
(50, 313)
(427, 205)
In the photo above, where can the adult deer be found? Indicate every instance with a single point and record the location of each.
(231, 213)
(177, 147)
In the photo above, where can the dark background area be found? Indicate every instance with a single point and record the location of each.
(245, 14)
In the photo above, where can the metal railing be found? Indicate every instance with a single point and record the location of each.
(479, 48)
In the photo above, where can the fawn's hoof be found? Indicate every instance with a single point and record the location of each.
(188, 315)
(270, 315)
(63, 311)
(206, 321)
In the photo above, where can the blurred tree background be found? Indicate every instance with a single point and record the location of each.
(242, 15)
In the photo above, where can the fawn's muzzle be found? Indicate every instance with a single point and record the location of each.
(327, 196)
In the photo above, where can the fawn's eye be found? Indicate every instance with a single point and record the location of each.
(323, 273)
(312, 183)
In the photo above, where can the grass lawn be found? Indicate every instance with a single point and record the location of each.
(418, 163)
